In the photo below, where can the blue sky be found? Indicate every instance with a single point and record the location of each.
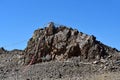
(19, 19)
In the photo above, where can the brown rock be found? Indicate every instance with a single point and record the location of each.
(62, 43)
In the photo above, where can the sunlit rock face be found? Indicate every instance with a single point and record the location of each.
(60, 43)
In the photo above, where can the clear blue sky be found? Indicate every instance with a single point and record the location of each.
(19, 19)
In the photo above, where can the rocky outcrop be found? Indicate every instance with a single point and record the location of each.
(61, 43)
(76, 54)
(2, 50)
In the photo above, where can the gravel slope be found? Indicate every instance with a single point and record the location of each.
(71, 69)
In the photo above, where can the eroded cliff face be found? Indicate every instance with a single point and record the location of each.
(60, 43)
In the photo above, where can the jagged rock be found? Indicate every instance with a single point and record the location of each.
(62, 43)
(50, 30)
(2, 50)
(72, 50)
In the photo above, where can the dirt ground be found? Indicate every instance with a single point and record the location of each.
(72, 69)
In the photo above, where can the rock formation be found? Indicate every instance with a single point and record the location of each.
(70, 55)
(60, 43)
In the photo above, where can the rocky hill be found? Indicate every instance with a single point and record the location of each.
(60, 43)
(62, 53)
